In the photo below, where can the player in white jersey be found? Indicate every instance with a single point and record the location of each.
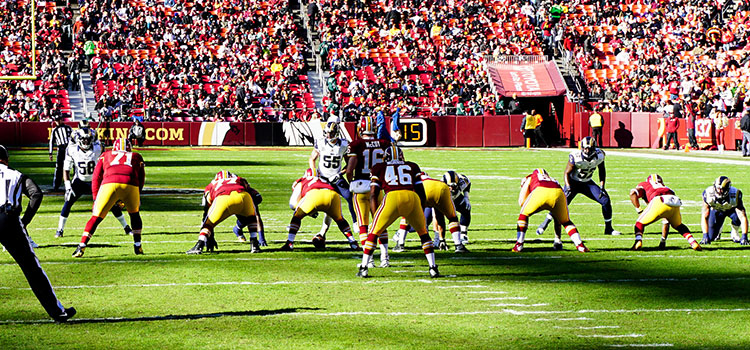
(578, 179)
(720, 201)
(82, 158)
(330, 152)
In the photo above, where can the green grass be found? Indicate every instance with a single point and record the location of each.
(309, 299)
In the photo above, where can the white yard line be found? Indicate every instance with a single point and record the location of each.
(565, 319)
(592, 327)
(471, 286)
(618, 311)
(607, 336)
(502, 298)
(482, 292)
(641, 345)
(520, 305)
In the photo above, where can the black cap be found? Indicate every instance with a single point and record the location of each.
(3, 153)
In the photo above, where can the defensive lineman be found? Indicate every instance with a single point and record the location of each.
(720, 201)
(330, 152)
(82, 158)
(14, 238)
(578, 179)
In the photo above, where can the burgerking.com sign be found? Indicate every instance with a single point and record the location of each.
(161, 134)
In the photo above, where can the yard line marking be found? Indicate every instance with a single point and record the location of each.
(584, 327)
(617, 311)
(503, 298)
(473, 286)
(150, 261)
(640, 345)
(482, 292)
(565, 319)
(521, 305)
(632, 335)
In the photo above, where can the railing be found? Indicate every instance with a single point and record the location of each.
(82, 90)
(515, 59)
(315, 54)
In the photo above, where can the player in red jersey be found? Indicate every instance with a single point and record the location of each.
(226, 195)
(363, 154)
(404, 196)
(540, 192)
(662, 204)
(119, 176)
(311, 195)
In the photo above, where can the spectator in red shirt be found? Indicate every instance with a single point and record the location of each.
(672, 124)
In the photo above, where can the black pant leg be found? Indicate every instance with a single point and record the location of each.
(14, 239)
(59, 162)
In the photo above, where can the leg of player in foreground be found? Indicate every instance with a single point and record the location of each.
(316, 200)
(224, 206)
(363, 212)
(73, 192)
(594, 192)
(239, 226)
(655, 210)
(551, 199)
(406, 204)
(109, 194)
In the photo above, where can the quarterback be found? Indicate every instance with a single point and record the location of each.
(540, 192)
(226, 195)
(662, 204)
(404, 197)
(119, 175)
(721, 201)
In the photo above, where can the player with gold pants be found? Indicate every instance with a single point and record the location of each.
(316, 200)
(552, 199)
(656, 209)
(224, 206)
(110, 193)
(438, 195)
(396, 204)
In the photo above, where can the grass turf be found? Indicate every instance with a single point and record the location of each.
(490, 298)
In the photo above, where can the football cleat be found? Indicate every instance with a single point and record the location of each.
(211, 244)
(612, 232)
(442, 245)
(398, 248)
(287, 247)
(385, 263)
(696, 246)
(138, 250)
(197, 248)
(662, 245)
(319, 242)
(461, 249)
(255, 245)
(68, 314)
(353, 245)
(434, 273)
(371, 263)
(582, 248)
(128, 230)
(637, 245)
(362, 271)
(464, 239)
(59, 234)
(79, 252)
(557, 246)
(518, 247)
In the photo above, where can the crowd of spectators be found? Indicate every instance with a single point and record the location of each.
(238, 60)
(424, 57)
(46, 97)
(647, 55)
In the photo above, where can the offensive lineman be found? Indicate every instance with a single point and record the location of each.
(404, 197)
(330, 153)
(82, 158)
(578, 179)
(119, 175)
(310, 195)
(662, 204)
(721, 201)
(363, 154)
(226, 195)
(540, 192)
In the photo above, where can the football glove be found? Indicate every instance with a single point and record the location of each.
(639, 210)
(69, 193)
(744, 241)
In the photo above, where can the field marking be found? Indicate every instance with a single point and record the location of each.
(472, 286)
(485, 292)
(565, 319)
(618, 311)
(606, 336)
(520, 305)
(149, 261)
(641, 345)
(501, 298)
(661, 156)
(585, 327)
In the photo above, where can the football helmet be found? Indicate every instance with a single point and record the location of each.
(451, 179)
(367, 126)
(331, 131)
(121, 145)
(588, 147)
(722, 185)
(393, 153)
(655, 178)
(83, 124)
(84, 139)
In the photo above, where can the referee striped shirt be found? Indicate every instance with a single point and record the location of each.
(60, 136)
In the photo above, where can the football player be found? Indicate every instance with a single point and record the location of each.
(662, 204)
(460, 187)
(82, 158)
(312, 194)
(439, 202)
(363, 154)
(404, 197)
(540, 192)
(329, 152)
(578, 179)
(239, 226)
(226, 195)
(720, 201)
(119, 175)
(84, 128)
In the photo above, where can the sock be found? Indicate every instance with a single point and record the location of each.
(293, 228)
(573, 233)
(383, 238)
(608, 224)
(326, 224)
(355, 228)
(366, 259)
(362, 232)
(402, 236)
(61, 223)
(453, 229)
(558, 240)
(384, 252)
(689, 237)
(137, 237)
(464, 229)
(638, 237)
(521, 224)
(663, 239)
(345, 229)
(84, 239)
(736, 231)
(429, 249)
(122, 221)
(203, 237)
(368, 246)
(430, 258)
(362, 237)
(639, 227)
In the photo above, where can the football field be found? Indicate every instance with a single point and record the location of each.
(490, 298)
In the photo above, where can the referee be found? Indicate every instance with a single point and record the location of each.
(14, 238)
(60, 137)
